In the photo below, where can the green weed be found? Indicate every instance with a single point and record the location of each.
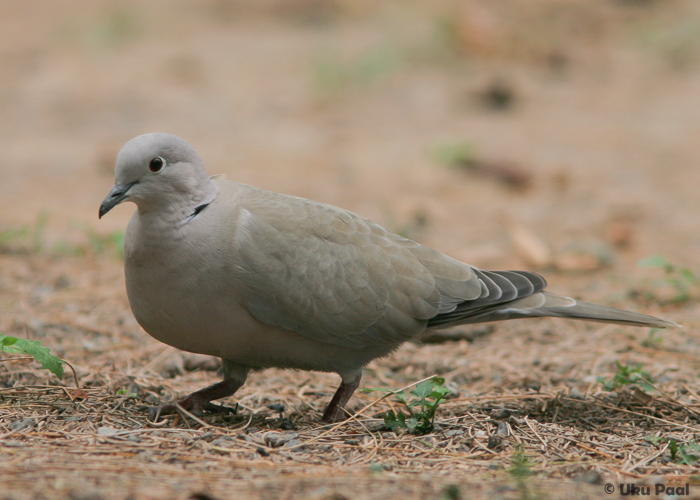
(520, 469)
(26, 238)
(118, 27)
(520, 465)
(451, 492)
(455, 153)
(626, 375)
(685, 282)
(331, 73)
(39, 235)
(687, 454)
(10, 236)
(124, 392)
(419, 418)
(653, 339)
(13, 345)
(112, 242)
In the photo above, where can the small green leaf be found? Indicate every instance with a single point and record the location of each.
(653, 439)
(8, 341)
(689, 454)
(376, 468)
(454, 153)
(423, 389)
(34, 348)
(439, 393)
(412, 423)
(653, 261)
(401, 396)
(673, 448)
(426, 398)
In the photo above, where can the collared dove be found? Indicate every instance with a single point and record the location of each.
(262, 279)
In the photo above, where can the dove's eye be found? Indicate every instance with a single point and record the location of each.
(157, 163)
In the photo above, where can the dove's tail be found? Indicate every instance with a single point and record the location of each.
(545, 304)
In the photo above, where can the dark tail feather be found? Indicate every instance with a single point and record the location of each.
(545, 304)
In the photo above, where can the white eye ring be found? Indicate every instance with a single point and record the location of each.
(157, 164)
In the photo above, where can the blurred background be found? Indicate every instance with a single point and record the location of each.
(554, 134)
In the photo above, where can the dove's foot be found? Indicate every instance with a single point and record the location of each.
(200, 400)
(336, 408)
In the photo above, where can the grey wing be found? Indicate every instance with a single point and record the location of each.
(331, 275)
(338, 278)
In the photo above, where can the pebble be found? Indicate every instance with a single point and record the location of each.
(107, 431)
(277, 439)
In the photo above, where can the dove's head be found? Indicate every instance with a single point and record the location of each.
(159, 171)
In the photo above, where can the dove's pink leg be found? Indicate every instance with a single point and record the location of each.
(335, 410)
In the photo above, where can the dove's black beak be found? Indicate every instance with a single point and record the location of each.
(115, 197)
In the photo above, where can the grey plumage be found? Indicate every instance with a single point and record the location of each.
(263, 280)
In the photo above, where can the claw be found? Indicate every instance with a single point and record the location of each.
(156, 411)
(200, 400)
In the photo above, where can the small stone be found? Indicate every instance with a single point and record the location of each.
(469, 442)
(62, 282)
(502, 488)
(516, 421)
(107, 431)
(501, 413)
(223, 441)
(376, 427)
(286, 424)
(25, 423)
(502, 430)
(295, 444)
(12, 443)
(277, 439)
(494, 442)
(575, 393)
(590, 477)
(454, 390)
(453, 432)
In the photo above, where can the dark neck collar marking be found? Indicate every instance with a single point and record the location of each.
(197, 211)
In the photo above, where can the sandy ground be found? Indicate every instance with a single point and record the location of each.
(592, 107)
